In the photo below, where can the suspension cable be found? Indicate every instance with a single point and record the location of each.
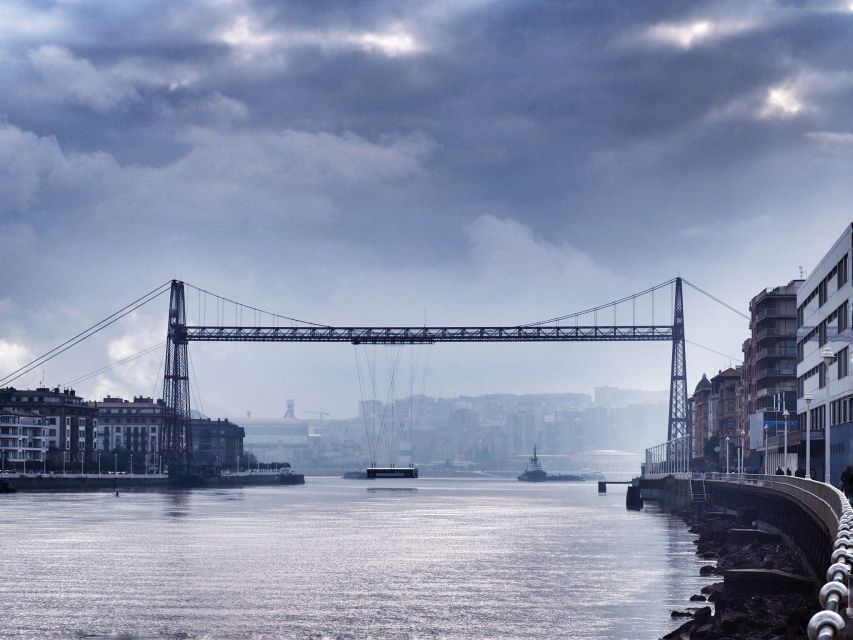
(719, 353)
(260, 311)
(717, 300)
(602, 306)
(117, 363)
(87, 333)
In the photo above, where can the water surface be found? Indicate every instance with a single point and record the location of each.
(339, 558)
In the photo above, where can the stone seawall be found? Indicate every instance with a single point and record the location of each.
(136, 482)
(762, 546)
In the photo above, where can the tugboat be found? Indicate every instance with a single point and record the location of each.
(535, 473)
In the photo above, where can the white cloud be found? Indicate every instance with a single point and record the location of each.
(26, 23)
(251, 40)
(781, 102)
(140, 375)
(687, 35)
(67, 78)
(13, 356)
(840, 142)
(286, 174)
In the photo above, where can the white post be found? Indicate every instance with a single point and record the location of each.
(766, 450)
(808, 400)
(727, 455)
(785, 415)
(828, 357)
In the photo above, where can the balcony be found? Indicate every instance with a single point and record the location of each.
(774, 312)
(776, 352)
(774, 332)
(776, 371)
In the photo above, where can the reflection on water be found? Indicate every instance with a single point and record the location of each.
(454, 559)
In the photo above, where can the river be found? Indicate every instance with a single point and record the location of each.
(429, 558)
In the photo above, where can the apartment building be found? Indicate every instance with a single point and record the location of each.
(824, 386)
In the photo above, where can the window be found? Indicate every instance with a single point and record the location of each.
(822, 293)
(821, 335)
(842, 317)
(842, 359)
(821, 376)
(842, 272)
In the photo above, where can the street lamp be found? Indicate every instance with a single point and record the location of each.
(828, 357)
(740, 451)
(808, 400)
(99, 463)
(786, 415)
(131, 463)
(766, 452)
(727, 454)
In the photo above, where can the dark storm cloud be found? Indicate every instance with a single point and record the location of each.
(492, 152)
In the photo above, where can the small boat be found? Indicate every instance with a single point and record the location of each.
(535, 473)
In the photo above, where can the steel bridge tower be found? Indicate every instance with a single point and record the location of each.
(176, 430)
(679, 418)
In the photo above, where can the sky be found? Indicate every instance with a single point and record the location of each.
(440, 162)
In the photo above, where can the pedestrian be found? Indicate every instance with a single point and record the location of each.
(779, 471)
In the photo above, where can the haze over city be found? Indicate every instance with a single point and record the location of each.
(487, 163)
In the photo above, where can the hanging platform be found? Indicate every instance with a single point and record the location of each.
(392, 472)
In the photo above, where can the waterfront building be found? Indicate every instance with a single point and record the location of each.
(70, 422)
(770, 376)
(700, 413)
(823, 322)
(217, 442)
(23, 440)
(724, 414)
(129, 427)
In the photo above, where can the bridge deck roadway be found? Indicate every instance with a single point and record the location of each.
(429, 335)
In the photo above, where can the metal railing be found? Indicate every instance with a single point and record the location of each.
(671, 457)
(830, 507)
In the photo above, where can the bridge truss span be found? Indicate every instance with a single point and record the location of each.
(430, 335)
(177, 447)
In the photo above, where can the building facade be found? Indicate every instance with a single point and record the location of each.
(700, 414)
(24, 442)
(129, 427)
(770, 376)
(825, 393)
(69, 421)
(217, 442)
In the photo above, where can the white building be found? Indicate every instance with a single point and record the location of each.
(23, 440)
(823, 321)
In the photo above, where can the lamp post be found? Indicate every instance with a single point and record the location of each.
(828, 357)
(808, 400)
(131, 463)
(740, 451)
(115, 462)
(727, 454)
(786, 415)
(766, 451)
(99, 463)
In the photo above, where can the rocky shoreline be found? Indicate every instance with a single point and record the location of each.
(773, 602)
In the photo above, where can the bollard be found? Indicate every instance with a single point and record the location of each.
(602, 486)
